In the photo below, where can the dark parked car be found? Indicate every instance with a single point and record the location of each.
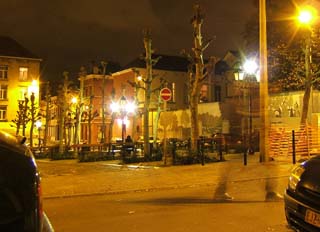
(20, 190)
(302, 197)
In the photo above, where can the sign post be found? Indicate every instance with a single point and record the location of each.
(166, 95)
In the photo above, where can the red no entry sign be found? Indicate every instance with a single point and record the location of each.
(165, 94)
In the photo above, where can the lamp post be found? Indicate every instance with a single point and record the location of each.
(123, 108)
(246, 78)
(38, 125)
(123, 113)
(251, 69)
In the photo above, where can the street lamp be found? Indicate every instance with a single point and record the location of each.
(307, 15)
(123, 107)
(251, 69)
(38, 125)
(246, 77)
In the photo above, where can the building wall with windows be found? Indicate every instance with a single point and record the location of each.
(19, 77)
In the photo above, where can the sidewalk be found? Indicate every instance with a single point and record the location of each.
(70, 178)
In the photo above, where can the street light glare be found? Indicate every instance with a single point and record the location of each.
(250, 66)
(131, 107)
(307, 15)
(74, 100)
(38, 124)
(114, 107)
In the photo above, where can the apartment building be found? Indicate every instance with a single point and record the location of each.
(19, 78)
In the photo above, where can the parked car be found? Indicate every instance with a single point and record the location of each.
(302, 196)
(20, 189)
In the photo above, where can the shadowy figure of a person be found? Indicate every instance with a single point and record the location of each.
(221, 193)
(269, 172)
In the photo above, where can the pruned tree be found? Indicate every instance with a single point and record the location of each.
(198, 72)
(63, 108)
(34, 116)
(19, 120)
(147, 88)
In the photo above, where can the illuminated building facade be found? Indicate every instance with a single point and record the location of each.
(19, 78)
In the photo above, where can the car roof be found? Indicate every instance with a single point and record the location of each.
(12, 142)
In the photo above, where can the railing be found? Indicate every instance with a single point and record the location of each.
(208, 150)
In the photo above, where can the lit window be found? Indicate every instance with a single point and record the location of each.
(23, 74)
(3, 113)
(204, 93)
(3, 72)
(3, 92)
(23, 91)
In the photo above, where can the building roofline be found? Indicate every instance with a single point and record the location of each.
(22, 58)
(124, 71)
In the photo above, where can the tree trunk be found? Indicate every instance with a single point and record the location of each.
(147, 95)
(48, 116)
(195, 79)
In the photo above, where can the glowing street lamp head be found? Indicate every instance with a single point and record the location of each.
(250, 66)
(38, 124)
(74, 100)
(115, 107)
(307, 15)
(131, 107)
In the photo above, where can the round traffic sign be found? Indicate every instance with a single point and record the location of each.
(165, 94)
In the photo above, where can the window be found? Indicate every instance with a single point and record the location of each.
(217, 93)
(3, 113)
(204, 93)
(23, 91)
(87, 91)
(3, 72)
(23, 74)
(3, 92)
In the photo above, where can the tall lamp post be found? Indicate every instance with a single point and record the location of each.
(123, 108)
(123, 113)
(38, 125)
(247, 78)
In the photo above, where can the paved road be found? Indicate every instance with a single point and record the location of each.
(184, 209)
(102, 195)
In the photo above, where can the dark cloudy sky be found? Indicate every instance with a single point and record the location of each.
(69, 33)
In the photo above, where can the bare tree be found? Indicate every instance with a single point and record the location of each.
(34, 116)
(63, 106)
(198, 72)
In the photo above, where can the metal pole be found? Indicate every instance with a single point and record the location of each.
(293, 148)
(165, 137)
(264, 117)
(250, 150)
(123, 134)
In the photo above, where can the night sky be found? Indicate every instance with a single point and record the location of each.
(69, 33)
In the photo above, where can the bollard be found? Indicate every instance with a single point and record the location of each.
(293, 148)
(245, 157)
